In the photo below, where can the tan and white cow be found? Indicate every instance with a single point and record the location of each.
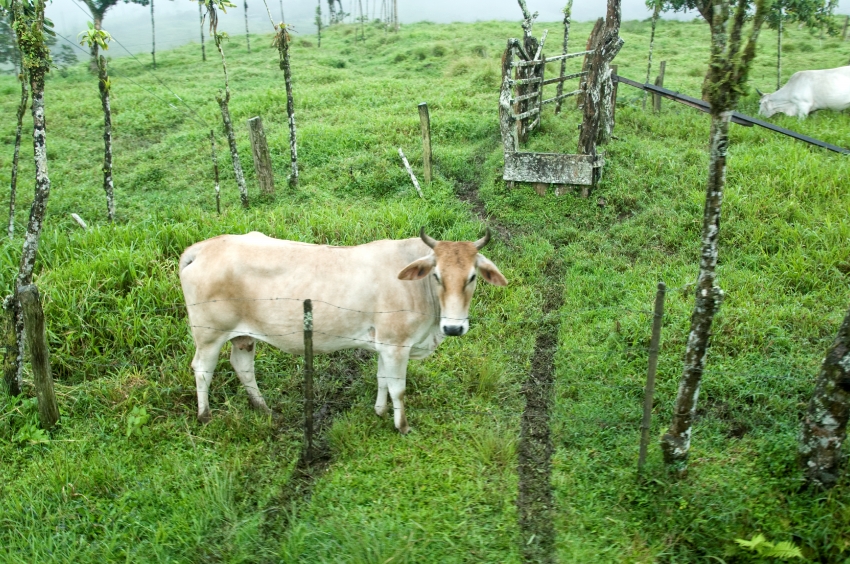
(397, 298)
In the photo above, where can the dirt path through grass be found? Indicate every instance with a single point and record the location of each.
(535, 445)
(345, 369)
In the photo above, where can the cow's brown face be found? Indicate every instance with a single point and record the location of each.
(454, 268)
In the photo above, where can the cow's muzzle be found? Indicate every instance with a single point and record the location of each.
(454, 329)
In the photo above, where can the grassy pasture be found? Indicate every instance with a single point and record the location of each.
(101, 488)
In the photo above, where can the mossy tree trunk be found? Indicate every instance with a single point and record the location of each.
(825, 425)
(36, 59)
(97, 18)
(13, 183)
(730, 61)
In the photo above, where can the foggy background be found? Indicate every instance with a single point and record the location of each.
(178, 22)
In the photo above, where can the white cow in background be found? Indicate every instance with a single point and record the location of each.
(397, 298)
(808, 91)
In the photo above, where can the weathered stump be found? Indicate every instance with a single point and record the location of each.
(48, 410)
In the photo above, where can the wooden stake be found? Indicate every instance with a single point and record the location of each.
(307, 454)
(659, 81)
(425, 123)
(844, 30)
(410, 172)
(48, 410)
(260, 152)
(649, 391)
(79, 221)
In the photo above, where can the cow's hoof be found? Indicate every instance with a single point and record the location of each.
(380, 411)
(259, 406)
(405, 429)
(205, 417)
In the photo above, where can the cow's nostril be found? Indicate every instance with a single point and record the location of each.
(453, 330)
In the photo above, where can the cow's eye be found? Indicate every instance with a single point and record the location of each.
(471, 279)
(437, 278)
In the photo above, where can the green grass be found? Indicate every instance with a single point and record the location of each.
(178, 491)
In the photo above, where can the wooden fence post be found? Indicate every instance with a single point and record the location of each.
(659, 81)
(844, 30)
(425, 123)
(260, 152)
(307, 454)
(650, 375)
(48, 410)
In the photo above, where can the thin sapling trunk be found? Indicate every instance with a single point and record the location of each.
(568, 10)
(108, 187)
(247, 36)
(729, 64)
(153, 38)
(223, 103)
(655, 12)
(203, 48)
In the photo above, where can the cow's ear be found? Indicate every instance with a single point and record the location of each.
(489, 272)
(418, 269)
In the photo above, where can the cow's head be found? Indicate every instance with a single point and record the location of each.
(454, 268)
(766, 108)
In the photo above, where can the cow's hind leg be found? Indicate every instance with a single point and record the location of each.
(242, 360)
(392, 375)
(206, 357)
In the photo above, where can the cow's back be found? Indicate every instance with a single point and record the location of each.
(826, 89)
(255, 285)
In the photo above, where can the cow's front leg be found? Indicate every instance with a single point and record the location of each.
(392, 375)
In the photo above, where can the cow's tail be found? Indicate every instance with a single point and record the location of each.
(188, 257)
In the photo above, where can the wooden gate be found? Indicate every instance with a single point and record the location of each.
(521, 104)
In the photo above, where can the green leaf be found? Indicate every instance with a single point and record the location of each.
(783, 550)
(752, 544)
